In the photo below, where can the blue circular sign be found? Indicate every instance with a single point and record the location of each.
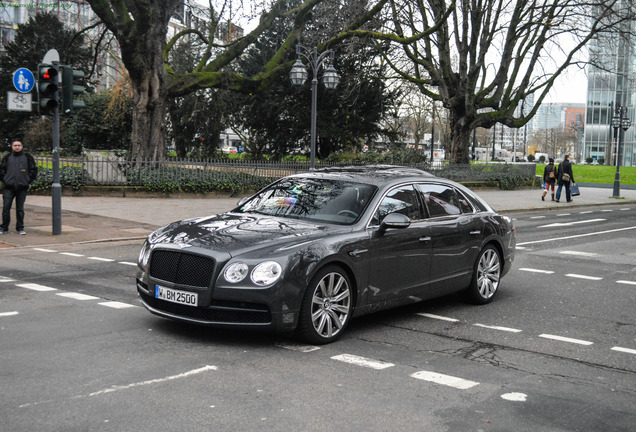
(23, 80)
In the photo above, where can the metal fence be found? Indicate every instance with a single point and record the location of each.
(109, 170)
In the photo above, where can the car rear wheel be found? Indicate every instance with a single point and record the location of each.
(326, 307)
(486, 276)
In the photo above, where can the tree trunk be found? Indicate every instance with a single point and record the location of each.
(148, 133)
(460, 138)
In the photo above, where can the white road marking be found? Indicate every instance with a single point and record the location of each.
(586, 212)
(607, 211)
(626, 208)
(508, 329)
(520, 248)
(6, 279)
(565, 339)
(576, 236)
(71, 254)
(578, 253)
(578, 276)
(117, 305)
(446, 380)
(44, 250)
(298, 347)
(6, 314)
(154, 381)
(101, 259)
(77, 296)
(625, 350)
(564, 224)
(626, 282)
(127, 263)
(537, 217)
(536, 270)
(437, 317)
(515, 397)
(36, 287)
(362, 361)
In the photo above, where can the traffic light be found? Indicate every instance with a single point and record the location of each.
(47, 88)
(69, 89)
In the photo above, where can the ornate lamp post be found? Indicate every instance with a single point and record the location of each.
(330, 79)
(620, 123)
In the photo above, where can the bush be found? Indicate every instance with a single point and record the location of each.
(530, 158)
(589, 160)
(601, 161)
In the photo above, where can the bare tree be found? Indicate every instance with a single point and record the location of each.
(483, 58)
(140, 27)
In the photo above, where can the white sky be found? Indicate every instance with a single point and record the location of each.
(570, 87)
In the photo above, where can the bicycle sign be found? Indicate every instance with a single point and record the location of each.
(19, 102)
(23, 80)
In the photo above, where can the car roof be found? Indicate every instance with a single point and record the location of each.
(370, 174)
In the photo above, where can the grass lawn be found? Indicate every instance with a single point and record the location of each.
(598, 173)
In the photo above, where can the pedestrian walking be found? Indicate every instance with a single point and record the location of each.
(549, 178)
(564, 177)
(17, 171)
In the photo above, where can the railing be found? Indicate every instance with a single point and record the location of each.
(113, 171)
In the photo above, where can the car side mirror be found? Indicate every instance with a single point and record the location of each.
(395, 220)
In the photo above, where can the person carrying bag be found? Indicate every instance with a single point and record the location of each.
(565, 176)
(549, 178)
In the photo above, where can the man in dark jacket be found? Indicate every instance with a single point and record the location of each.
(17, 171)
(565, 176)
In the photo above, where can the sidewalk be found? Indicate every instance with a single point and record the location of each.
(92, 219)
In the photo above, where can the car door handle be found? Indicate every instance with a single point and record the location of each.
(425, 239)
(357, 252)
(476, 232)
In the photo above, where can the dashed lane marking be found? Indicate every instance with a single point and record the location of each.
(437, 317)
(625, 350)
(6, 314)
(626, 282)
(128, 263)
(564, 224)
(77, 296)
(117, 305)
(447, 380)
(71, 254)
(362, 361)
(578, 276)
(101, 259)
(36, 287)
(298, 347)
(6, 279)
(44, 250)
(536, 270)
(565, 339)
(506, 329)
(578, 253)
(576, 236)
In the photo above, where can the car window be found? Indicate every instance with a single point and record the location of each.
(464, 203)
(440, 200)
(340, 202)
(399, 200)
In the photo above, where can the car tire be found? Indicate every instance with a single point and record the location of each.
(486, 276)
(326, 307)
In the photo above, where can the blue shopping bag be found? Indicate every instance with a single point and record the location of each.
(574, 190)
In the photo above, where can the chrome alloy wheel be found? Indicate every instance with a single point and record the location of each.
(330, 305)
(488, 272)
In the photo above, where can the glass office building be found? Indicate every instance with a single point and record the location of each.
(610, 86)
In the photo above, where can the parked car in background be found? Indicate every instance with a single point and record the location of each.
(311, 251)
(229, 149)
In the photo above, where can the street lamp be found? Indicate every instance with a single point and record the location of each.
(620, 123)
(330, 79)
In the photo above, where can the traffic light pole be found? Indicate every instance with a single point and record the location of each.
(56, 188)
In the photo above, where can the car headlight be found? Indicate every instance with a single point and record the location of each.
(236, 272)
(266, 273)
(144, 255)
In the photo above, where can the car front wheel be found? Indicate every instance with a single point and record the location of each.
(486, 276)
(326, 307)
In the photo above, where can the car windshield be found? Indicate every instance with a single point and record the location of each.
(323, 200)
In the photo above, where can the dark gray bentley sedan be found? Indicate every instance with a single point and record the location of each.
(313, 250)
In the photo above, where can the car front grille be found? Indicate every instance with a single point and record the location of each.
(220, 312)
(181, 268)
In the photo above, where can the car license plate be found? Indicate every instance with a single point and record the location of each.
(175, 296)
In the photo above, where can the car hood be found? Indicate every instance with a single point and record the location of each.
(235, 233)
